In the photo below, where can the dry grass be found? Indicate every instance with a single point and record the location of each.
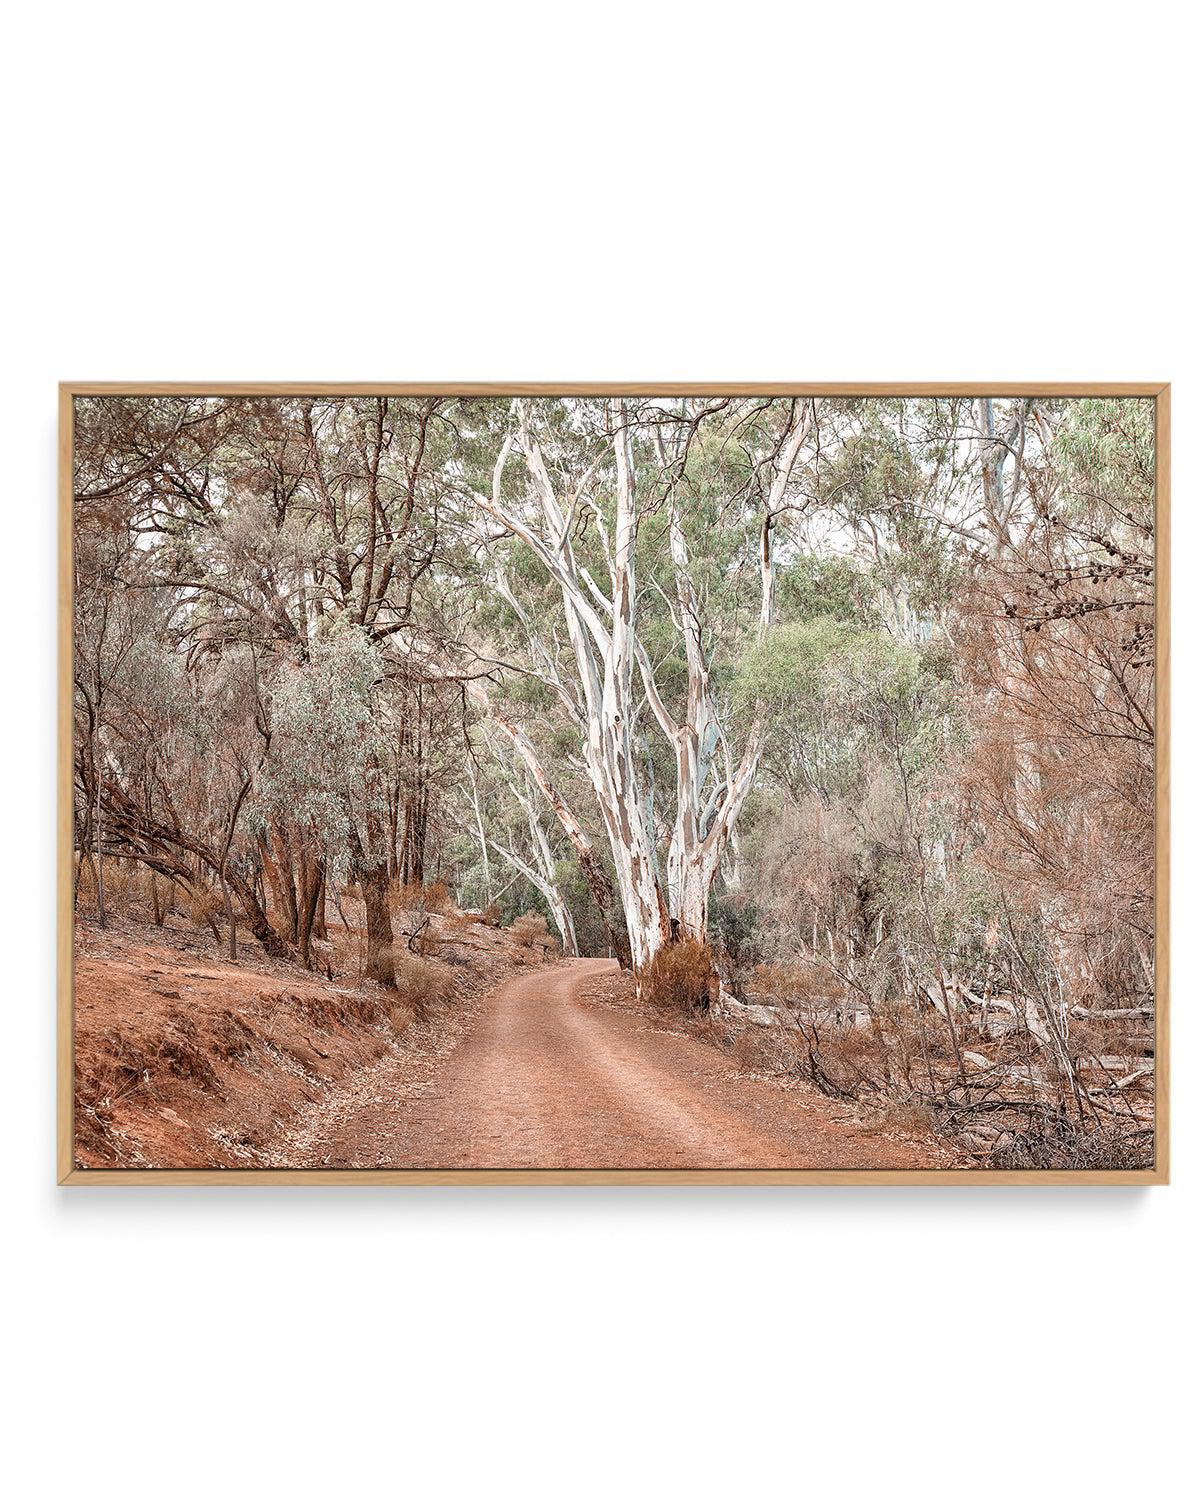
(765, 1051)
(128, 895)
(380, 962)
(126, 887)
(531, 932)
(906, 1116)
(204, 908)
(423, 988)
(422, 897)
(680, 979)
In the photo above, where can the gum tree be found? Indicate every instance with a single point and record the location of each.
(589, 481)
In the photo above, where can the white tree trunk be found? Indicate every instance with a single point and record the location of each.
(483, 845)
(706, 815)
(545, 867)
(603, 636)
(604, 657)
(550, 891)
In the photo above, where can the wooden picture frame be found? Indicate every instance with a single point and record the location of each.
(69, 1173)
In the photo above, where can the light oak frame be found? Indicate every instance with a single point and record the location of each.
(71, 1175)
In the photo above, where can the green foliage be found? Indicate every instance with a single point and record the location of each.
(923, 571)
(835, 588)
(1106, 448)
(873, 471)
(589, 927)
(326, 742)
(839, 698)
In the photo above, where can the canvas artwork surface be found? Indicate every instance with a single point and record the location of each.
(746, 784)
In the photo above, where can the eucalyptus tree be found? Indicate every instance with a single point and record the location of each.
(508, 807)
(266, 526)
(592, 477)
(373, 494)
(105, 636)
(325, 779)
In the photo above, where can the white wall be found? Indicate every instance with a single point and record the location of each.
(614, 190)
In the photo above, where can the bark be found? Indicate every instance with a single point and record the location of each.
(994, 453)
(371, 874)
(270, 870)
(412, 850)
(101, 915)
(607, 907)
(223, 866)
(610, 730)
(394, 831)
(312, 877)
(483, 845)
(381, 965)
(287, 881)
(260, 925)
(549, 890)
(541, 872)
(320, 926)
(604, 658)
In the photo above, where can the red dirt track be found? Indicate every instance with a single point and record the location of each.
(549, 1081)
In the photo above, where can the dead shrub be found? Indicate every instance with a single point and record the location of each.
(1052, 1142)
(421, 897)
(854, 1053)
(85, 886)
(798, 986)
(908, 1117)
(1099, 1037)
(765, 1052)
(423, 988)
(406, 896)
(126, 884)
(680, 979)
(841, 1061)
(204, 908)
(491, 916)
(532, 933)
(430, 940)
(913, 1037)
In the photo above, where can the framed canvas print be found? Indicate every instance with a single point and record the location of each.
(613, 783)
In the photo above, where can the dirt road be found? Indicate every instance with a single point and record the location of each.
(547, 1080)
